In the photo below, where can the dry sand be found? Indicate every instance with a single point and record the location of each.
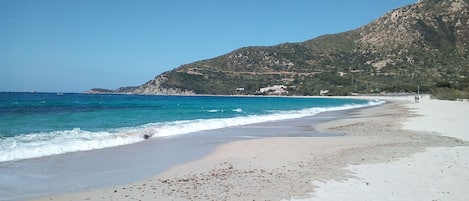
(377, 159)
(439, 173)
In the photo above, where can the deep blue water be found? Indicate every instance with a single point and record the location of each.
(41, 124)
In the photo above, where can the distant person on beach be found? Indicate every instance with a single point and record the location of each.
(417, 98)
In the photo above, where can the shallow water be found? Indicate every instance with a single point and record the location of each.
(42, 124)
(52, 144)
(130, 163)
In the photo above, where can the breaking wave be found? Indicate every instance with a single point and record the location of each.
(58, 142)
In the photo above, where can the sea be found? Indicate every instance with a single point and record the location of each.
(34, 125)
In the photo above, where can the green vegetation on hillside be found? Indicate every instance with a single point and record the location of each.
(423, 45)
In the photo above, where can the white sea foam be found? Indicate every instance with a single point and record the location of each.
(238, 110)
(59, 142)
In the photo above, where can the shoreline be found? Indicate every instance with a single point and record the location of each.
(77, 171)
(286, 167)
(149, 124)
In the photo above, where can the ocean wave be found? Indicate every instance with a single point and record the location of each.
(214, 111)
(58, 142)
(239, 110)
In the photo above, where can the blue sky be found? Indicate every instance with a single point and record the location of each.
(75, 45)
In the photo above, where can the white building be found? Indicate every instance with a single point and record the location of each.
(274, 90)
(323, 92)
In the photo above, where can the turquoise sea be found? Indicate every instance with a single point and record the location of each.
(41, 124)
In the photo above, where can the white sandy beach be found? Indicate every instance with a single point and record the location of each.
(388, 153)
(439, 173)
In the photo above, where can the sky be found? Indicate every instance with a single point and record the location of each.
(76, 45)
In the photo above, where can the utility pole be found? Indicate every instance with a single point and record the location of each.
(317, 89)
(367, 88)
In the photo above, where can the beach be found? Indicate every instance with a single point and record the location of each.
(400, 150)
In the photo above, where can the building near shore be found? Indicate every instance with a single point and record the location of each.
(274, 90)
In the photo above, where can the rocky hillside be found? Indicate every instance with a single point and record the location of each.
(424, 44)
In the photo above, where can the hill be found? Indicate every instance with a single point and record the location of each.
(425, 44)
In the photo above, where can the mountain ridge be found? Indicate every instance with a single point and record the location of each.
(424, 44)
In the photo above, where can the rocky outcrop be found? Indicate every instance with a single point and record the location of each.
(154, 87)
(429, 25)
